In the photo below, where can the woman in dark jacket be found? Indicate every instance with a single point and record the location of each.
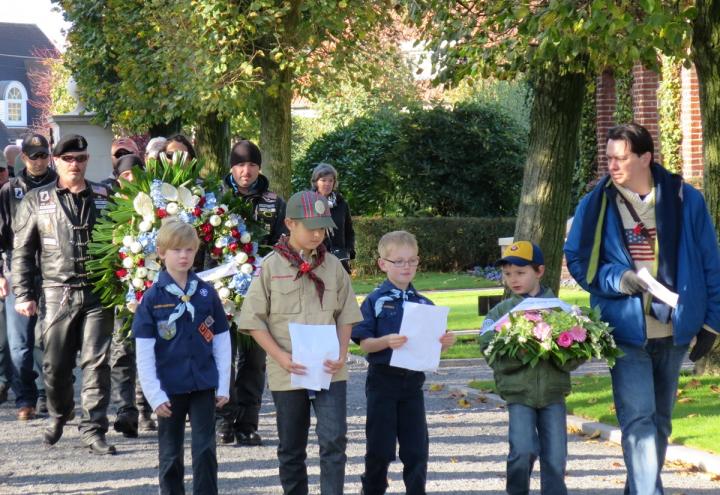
(341, 241)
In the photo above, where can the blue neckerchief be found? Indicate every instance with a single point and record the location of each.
(173, 289)
(393, 294)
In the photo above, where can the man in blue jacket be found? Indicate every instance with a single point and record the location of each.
(642, 216)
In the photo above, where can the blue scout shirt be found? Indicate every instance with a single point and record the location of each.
(387, 302)
(183, 353)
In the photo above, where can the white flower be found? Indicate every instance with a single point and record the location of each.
(128, 262)
(241, 257)
(546, 345)
(138, 283)
(128, 240)
(141, 272)
(522, 339)
(152, 275)
(215, 220)
(230, 224)
(145, 226)
(218, 285)
(224, 207)
(132, 306)
(136, 247)
(246, 237)
(247, 269)
(198, 191)
(219, 243)
(224, 293)
(171, 208)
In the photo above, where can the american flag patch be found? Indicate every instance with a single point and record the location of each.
(638, 245)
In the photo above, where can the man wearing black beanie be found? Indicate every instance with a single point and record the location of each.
(239, 417)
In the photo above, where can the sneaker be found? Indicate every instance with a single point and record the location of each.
(41, 407)
(249, 439)
(26, 413)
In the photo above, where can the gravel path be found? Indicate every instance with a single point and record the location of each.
(467, 454)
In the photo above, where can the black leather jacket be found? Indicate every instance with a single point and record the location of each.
(55, 226)
(10, 196)
(268, 207)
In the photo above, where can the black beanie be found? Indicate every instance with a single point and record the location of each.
(71, 142)
(127, 162)
(245, 151)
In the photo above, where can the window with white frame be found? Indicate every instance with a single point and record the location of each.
(16, 104)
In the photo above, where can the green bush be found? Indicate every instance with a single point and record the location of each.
(446, 244)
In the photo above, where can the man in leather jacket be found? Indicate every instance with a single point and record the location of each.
(26, 357)
(55, 222)
(239, 417)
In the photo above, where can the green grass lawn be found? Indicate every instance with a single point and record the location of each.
(696, 417)
(427, 281)
(464, 316)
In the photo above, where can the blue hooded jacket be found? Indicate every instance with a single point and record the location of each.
(689, 259)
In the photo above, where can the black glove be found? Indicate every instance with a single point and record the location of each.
(704, 342)
(631, 283)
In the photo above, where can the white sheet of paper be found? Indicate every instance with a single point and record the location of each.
(535, 303)
(657, 289)
(423, 325)
(218, 272)
(311, 346)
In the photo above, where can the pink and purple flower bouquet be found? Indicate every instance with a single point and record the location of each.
(553, 333)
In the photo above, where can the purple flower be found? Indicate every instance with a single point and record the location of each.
(565, 339)
(542, 331)
(533, 316)
(579, 334)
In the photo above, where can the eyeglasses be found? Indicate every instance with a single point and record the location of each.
(400, 263)
(122, 152)
(74, 158)
(39, 156)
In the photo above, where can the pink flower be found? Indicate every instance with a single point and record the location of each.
(565, 339)
(579, 334)
(542, 331)
(533, 316)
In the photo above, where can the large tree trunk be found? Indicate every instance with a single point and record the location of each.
(547, 181)
(212, 143)
(275, 127)
(705, 49)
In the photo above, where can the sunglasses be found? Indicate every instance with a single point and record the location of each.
(39, 156)
(122, 152)
(74, 158)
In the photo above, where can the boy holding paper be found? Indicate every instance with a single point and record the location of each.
(301, 283)
(395, 402)
(535, 395)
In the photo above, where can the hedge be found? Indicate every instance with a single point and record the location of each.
(446, 243)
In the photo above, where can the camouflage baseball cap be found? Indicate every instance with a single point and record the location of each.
(310, 208)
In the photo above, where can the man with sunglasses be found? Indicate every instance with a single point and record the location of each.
(25, 354)
(122, 146)
(54, 222)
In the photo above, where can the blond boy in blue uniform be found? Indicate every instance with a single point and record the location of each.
(183, 360)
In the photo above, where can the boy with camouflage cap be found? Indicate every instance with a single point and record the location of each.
(301, 283)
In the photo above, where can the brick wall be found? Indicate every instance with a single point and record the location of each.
(691, 124)
(645, 104)
(605, 103)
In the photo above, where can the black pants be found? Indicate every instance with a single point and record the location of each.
(126, 392)
(76, 321)
(247, 382)
(395, 414)
(171, 439)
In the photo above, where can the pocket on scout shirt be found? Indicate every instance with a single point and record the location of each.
(166, 331)
(285, 296)
(330, 297)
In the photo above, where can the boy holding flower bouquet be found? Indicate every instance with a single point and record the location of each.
(535, 394)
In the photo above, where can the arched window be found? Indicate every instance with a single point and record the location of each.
(16, 105)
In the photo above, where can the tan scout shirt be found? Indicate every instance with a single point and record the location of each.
(276, 299)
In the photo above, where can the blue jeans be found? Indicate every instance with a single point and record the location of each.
(395, 414)
(537, 433)
(27, 378)
(5, 364)
(645, 382)
(293, 424)
(200, 406)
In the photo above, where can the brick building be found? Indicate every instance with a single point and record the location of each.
(645, 109)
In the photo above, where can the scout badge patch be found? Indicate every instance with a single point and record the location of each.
(167, 330)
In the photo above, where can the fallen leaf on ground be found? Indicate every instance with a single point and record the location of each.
(595, 434)
(592, 400)
(482, 399)
(694, 383)
(436, 387)
(685, 400)
(463, 403)
(617, 464)
(715, 388)
(457, 394)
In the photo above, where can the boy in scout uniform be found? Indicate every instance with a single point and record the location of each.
(183, 360)
(301, 283)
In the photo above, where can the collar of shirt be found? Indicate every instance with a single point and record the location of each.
(387, 287)
(164, 279)
(64, 190)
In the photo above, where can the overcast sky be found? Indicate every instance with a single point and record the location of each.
(41, 12)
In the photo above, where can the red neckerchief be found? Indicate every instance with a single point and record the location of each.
(284, 249)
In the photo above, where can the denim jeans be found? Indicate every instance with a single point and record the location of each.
(200, 406)
(645, 382)
(395, 414)
(293, 424)
(27, 379)
(5, 363)
(537, 433)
